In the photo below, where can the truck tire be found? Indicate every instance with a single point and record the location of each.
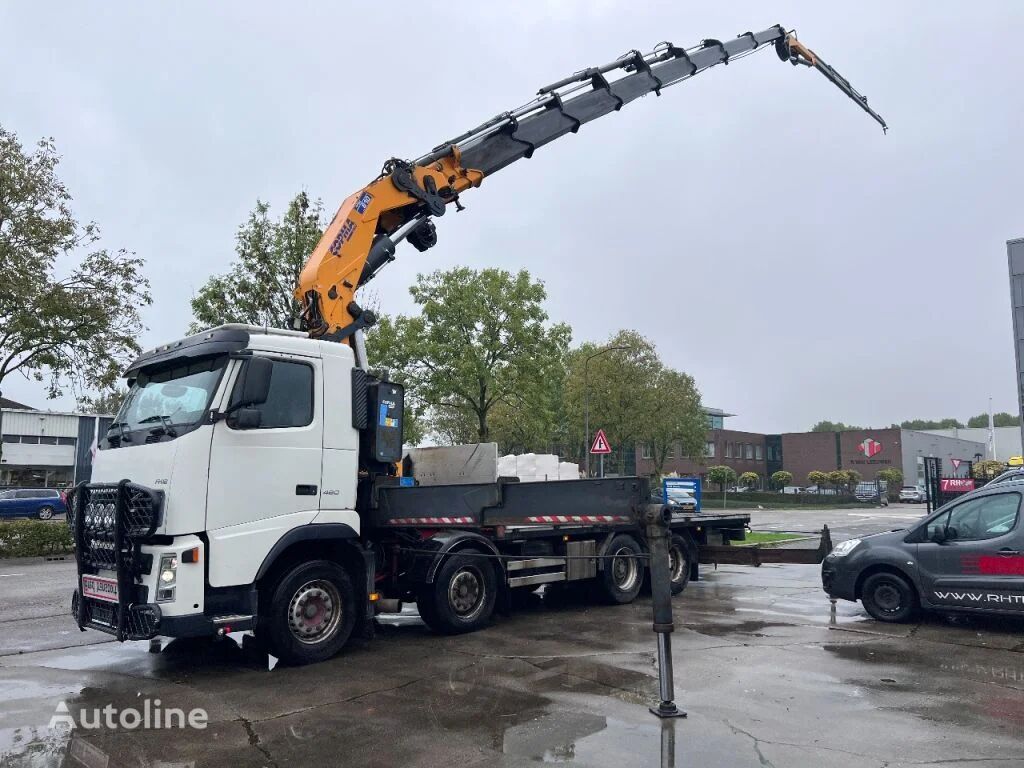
(681, 555)
(311, 612)
(889, 597)
(463, 594)
(623, 573)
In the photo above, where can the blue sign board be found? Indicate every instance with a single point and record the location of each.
(689, 484)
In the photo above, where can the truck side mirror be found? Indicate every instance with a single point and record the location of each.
(255, 381)
(245, 418)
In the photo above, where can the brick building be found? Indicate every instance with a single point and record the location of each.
(867, 451)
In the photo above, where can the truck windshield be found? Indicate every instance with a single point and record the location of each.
(171, 397)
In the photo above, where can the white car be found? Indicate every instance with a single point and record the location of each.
(913, 495)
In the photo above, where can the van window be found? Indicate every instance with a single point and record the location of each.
(983, 518)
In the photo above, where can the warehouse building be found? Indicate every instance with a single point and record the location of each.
(867, 451)
(45, 449)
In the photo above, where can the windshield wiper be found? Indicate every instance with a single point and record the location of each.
(165, 428)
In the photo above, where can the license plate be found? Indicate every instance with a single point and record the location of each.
(99, 588)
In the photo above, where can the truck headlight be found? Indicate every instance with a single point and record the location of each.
(168, 570)
(843, 548)
(168, 576)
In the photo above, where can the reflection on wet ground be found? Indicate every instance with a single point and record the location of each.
(766, 680)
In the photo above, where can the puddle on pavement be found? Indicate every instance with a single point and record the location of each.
(941, 683)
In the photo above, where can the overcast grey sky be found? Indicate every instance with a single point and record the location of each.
(752, 222)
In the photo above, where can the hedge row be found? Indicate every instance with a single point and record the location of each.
(34, 538)
(788, 499)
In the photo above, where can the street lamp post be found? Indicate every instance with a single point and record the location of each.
(586, 400)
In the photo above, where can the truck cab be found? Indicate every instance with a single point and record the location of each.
(222, 454)
(966, 557)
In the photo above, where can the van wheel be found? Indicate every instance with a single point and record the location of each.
(888, 597)
(462, 597)
(312, 611)
(623, 573)
(45, 513)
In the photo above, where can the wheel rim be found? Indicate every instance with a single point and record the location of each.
(45, 513)
(314, 612)
(625, 569)
(466, 593)
(888, 598)
(676, 563)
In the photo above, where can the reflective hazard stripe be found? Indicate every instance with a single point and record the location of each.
(578, 519)
(430, 520)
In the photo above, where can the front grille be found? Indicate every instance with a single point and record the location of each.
(110, 522)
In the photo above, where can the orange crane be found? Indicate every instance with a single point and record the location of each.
(399, 203)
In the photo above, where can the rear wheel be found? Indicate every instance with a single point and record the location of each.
(311, 613)
(462, 597)
(680, 559)
(889, 597)
(45, 513)
(623, 573)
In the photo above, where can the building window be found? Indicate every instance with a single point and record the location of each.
(30, 439)
(709, 449)
(47, 440)
(12, 438)
(757, 453)
(66, 441)
(671, 452)
(748, 451)
(728, 450)
(645, 451)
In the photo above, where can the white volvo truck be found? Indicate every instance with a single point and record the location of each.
(252, 479)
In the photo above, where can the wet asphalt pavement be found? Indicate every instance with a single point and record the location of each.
(765, 679)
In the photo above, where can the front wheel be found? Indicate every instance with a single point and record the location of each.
(463, 594)
(45, 513)
(311, 614)
(889, 597)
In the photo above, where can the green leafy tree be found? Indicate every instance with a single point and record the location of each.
(749, 479)
(852, 477)
(832, 426)
(722, 475)
(782, 478)
(891, 475)
(481, 345)
(678, 420)
(1001, 419)
(108, 402)
(838, 479)
(257, 288)
(69, 309)
(932, 424)
(817, 477)
(987, 469)
(622, 391)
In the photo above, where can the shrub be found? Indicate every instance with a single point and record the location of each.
(34, 538)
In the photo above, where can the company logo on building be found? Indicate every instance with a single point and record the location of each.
(869, 447)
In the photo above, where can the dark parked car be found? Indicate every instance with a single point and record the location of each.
(967, 556)
(43, 503)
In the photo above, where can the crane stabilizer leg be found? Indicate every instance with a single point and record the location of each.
(361, 238)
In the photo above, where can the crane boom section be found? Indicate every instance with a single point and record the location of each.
(398, 205)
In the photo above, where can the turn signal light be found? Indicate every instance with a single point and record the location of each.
(190, 555)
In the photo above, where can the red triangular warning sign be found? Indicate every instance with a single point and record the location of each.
(600, 443)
